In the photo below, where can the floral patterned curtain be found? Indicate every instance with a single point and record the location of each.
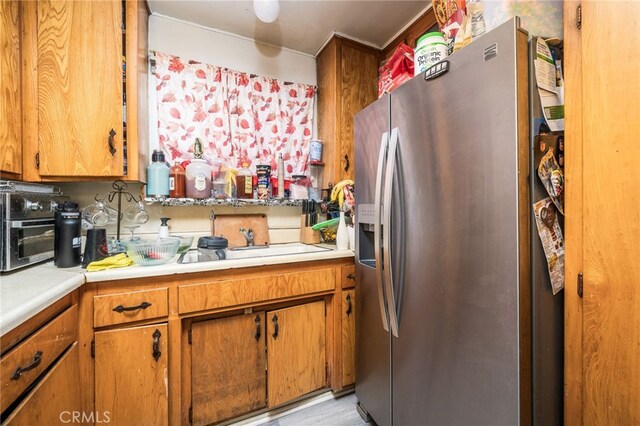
(239, 117)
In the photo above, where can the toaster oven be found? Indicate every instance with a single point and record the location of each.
(27, 213)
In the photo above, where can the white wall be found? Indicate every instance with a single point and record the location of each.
(192, 41)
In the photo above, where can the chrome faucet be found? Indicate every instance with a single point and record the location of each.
(247, 236)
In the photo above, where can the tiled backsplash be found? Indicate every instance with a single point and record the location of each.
(284, 222)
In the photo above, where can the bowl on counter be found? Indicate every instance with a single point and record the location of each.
(153, 252)
(185, 242)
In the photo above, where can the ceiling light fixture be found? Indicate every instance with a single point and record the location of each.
(266, 10)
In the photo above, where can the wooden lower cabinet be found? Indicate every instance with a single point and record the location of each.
(228, 359)
(56, 398)
(348, 352)
(295, 351)
(131, 376)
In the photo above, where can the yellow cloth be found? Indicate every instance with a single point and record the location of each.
(118, 261)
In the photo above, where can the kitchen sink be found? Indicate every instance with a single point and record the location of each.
(273, 250)
(193, 256)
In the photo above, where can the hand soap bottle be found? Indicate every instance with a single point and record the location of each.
(164, 227)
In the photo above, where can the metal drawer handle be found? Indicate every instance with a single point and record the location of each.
(156, 344)
(258, 333)
(351, 277)
(277, 327)
(36, 362)
(121, 309)
(349, 307)
(112, 144)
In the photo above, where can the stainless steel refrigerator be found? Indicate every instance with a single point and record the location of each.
(444, 250)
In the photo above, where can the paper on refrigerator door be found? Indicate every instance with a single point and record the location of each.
(550, 86)
(550, 234)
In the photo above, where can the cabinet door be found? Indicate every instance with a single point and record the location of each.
(228, 375)
(80, 88)
(295, 352)
(359, 72)
(131, 375)
(610, 213)
(348, 337)
(10, 111)
(55, 398)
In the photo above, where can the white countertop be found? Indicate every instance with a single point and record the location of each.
(173, 268)
(26, 292)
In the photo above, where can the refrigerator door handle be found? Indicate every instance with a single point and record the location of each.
(377, 235)
(386, 237)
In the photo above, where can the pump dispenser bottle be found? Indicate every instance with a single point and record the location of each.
(164, 227)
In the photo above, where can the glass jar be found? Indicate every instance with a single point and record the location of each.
(218, 180)
(198, 179)
(244, 182)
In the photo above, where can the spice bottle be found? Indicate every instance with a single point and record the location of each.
(177, 181)
(198, 175)
(244, 181)
(157, 175)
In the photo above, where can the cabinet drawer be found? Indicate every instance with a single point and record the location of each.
(37, 352)
(348, 276)
(55, 398)
(218, 294)
(120, 308)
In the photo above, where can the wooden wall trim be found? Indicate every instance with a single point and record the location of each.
(573, 386)
(524, 213)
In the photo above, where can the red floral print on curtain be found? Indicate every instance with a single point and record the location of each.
(239, 117)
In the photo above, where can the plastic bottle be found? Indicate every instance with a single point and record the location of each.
(164, 227)
(158, 175)
(244, 181)
(280, 177)
(198, 175)
(176, 181)
(342, 236)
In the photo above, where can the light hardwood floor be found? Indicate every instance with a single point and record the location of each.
(336, 412)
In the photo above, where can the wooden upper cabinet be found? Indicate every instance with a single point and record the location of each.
(424, 24)
(131, 375)
(74, 90)
(347, 82)
(10, 105)
(228, 367)
(295, 351)
(80, 88)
